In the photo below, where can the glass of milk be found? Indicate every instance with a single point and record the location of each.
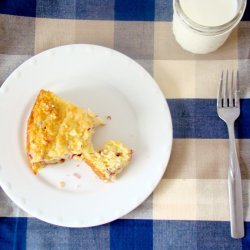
(202, 26)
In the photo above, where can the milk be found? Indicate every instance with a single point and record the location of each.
(209, 13)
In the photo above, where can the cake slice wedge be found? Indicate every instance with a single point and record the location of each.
(57, 130)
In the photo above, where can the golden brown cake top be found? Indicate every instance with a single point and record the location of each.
(57, 129)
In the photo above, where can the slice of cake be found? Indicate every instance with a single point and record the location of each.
(108, 162)
(57, 130)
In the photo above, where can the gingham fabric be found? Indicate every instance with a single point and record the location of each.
(189, 208)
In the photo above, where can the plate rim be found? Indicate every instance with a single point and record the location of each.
(11, 194)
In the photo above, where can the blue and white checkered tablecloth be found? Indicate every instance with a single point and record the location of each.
(189, 208)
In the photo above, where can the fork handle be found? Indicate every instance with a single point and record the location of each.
(235, 189)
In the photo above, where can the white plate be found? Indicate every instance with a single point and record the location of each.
(109, 83)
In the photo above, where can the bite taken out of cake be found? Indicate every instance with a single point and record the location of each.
(58, 130)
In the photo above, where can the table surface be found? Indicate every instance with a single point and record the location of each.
(189, 208)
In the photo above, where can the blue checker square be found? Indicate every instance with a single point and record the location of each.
(216, 235)
(197, 118)
(13, 233)
(134, 10)
(246, 16)
(95, 9)
(163, 10)
(189, 235)
(42, 235)
(131, 234)
(18, 7)
(56, 8)
(246, 239)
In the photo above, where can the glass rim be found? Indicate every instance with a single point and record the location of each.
(210, 30)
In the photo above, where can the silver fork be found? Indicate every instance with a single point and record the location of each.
(228, 109)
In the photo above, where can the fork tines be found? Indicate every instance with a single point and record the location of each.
(228, 94)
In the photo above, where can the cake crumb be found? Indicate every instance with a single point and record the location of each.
(78, 165)
(78, 176)
(108, 117)
(61, 184)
